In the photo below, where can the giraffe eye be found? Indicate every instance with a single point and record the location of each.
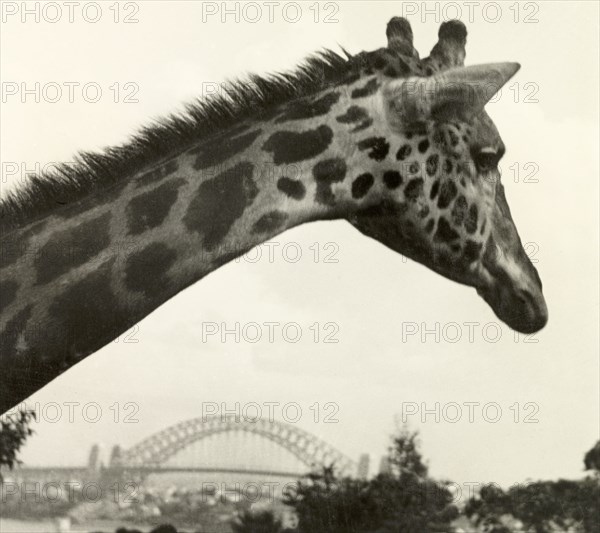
(486, 159)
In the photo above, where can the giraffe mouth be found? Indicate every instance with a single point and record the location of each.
(511, 286)
(519, 309)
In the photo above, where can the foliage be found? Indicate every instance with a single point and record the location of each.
(256, 522)
(14, 430)
(405, 457)
(325, 503)
(542, 506)
(592, 458)
(404, 500)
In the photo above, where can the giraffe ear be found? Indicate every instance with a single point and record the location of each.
(450, 49)
(400, 37)
(458, 93)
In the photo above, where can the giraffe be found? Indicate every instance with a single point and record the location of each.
(400, 147)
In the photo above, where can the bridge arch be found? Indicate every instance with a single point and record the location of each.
(155, 450)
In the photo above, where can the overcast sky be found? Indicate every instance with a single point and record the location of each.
(372, 297)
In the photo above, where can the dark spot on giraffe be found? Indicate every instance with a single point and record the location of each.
(113, 192)
(392, 179)
(350, 78)
(378, 147)
(293, 188)
(368, 89)
(465, 138)
(356, 114)
(459, 211)
(431, 164)
(353, 114)
(455, 247)
(472, 250)
(483, 226)
(413, 189)
(146, 270)
(391, 72)
(403, 65)
(424, 211)
(362, 184)
(226, 257)
(87, 203)
(471, 222)
(91, 314)
(290, 146)
(447, 193)
(219, 149)
(269, 222)
(269, 112)
(157, 174)
(219, 202)
(414, 167)
(308, 108)
(434, 189)
(149, 209)
(379, 62)
(8, 292)
(11, 249)
(409, 136)
(362, 126)
(326, 173)
(71, 248)
(13, 329)
(429, 226)
(404, 151)
(386, 208)
(447, 166)
(423, 146)
(444, 232)
(463, 182)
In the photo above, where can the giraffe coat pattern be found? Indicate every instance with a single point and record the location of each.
(372, 138)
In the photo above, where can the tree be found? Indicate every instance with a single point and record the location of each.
(326, 503)
(592, 458)
(542, 506)
(405, 500)
(413, 501)
(405, 457)
(14, 430)
(256, 522)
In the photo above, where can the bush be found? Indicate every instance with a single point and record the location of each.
(405, 500)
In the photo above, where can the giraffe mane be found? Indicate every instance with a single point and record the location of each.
(93, 171)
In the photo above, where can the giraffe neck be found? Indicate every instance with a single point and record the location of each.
(78, 278)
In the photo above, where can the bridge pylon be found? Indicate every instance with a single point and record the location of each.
(94, 464)
(362, 472)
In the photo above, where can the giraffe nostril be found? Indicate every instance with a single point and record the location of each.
(525, 297)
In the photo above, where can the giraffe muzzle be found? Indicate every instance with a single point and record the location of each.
(523, 310)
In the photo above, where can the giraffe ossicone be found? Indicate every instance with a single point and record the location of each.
(400, 147)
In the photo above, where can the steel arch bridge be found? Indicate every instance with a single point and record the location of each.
(152, 453)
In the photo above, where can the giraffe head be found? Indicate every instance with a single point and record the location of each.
(444, 204)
